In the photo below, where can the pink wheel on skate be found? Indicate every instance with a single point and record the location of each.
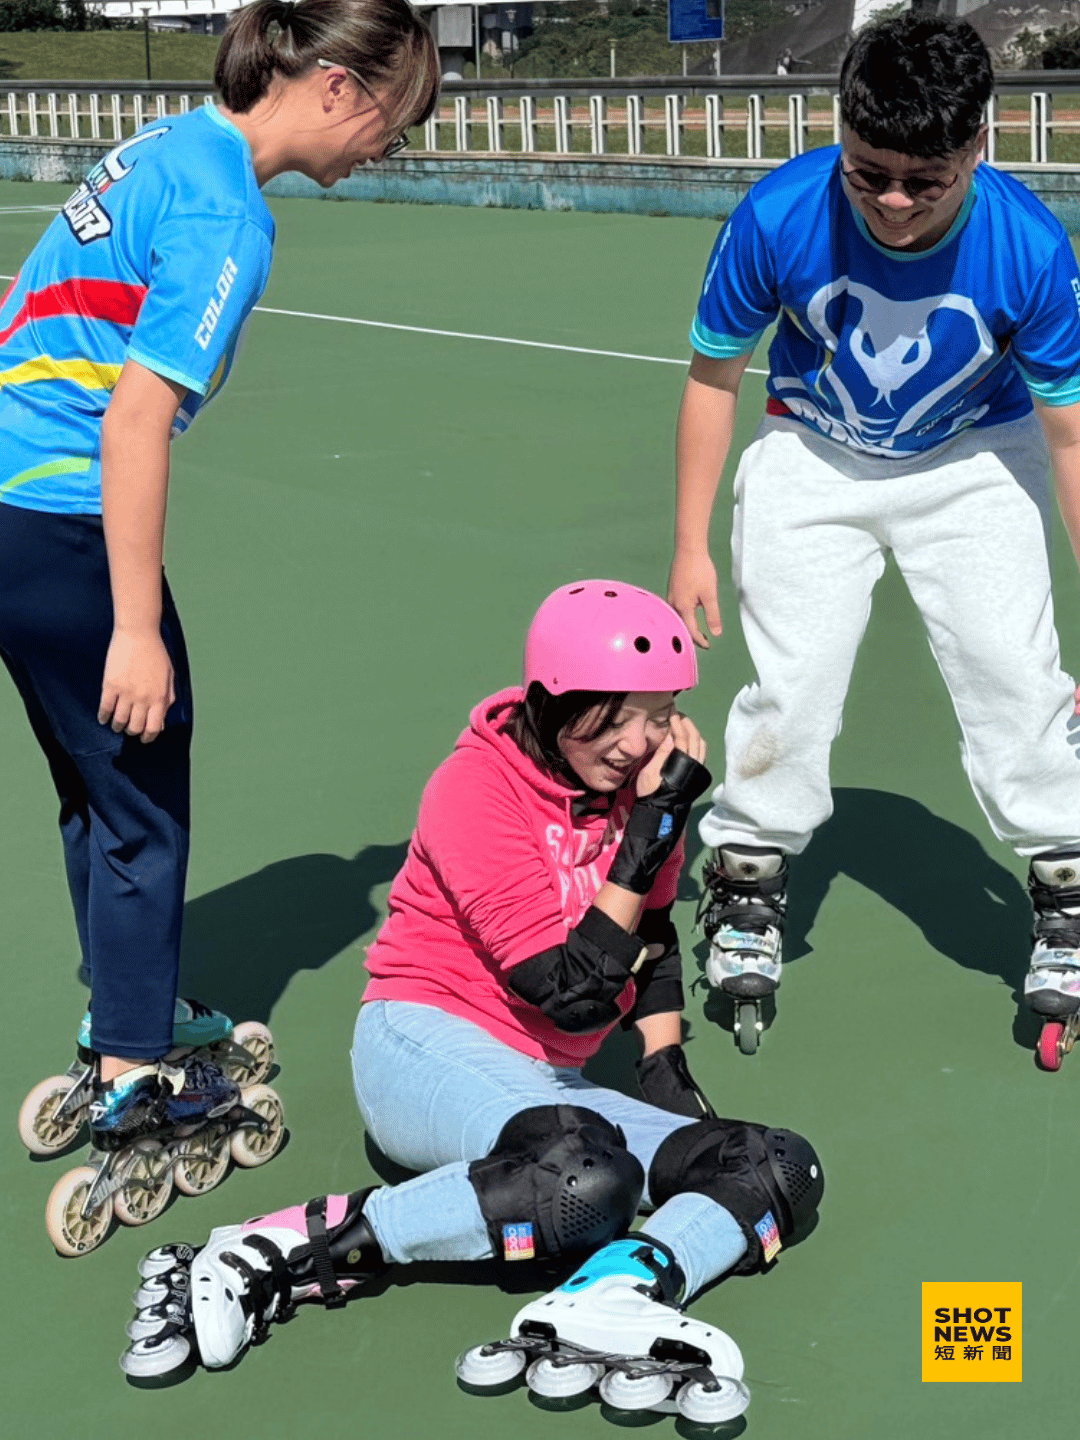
(1050, 1045)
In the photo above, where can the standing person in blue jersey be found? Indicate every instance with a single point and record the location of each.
(927, 305)
(121, 324)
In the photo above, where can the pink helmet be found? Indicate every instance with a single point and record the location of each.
(604, 635)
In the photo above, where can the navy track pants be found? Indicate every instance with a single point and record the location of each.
(124, 806)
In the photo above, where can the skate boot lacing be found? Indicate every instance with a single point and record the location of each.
(752, 906)
(1057, 917)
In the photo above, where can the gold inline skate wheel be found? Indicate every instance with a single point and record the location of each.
(70, 1231)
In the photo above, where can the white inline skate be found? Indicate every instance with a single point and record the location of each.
(1052, 984)
(156, 1126)
(55, 1111)
(208, 1303)
(742, 911)
(614, 1326)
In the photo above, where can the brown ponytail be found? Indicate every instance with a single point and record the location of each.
(385, 41)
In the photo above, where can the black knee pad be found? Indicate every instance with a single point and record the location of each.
(559, 1180)
(770, 1180)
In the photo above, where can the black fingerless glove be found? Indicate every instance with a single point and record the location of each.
(656, 823)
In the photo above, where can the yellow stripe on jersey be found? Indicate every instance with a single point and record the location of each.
(87, 373)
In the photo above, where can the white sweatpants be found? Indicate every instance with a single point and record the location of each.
(969, 527)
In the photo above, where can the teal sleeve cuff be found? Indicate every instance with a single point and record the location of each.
(721, 347)
(1052, 392)
(168, 372)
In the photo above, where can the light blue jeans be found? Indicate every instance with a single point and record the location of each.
(435, 1091)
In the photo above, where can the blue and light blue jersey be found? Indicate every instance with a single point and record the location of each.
(158, 257)
(886, 351)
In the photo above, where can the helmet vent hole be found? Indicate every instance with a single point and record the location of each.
(611, 594)
(642, 644)
(577, 590)
(676, 644)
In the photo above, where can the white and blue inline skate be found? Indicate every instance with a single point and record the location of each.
(614, 1326)
(742, 913)
(1052, 984)
(158, 1125)
(53, 1114)
(206, 1304)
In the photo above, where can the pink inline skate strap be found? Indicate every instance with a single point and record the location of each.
(295, 1216)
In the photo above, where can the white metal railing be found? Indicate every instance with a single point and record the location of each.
(751, 119)
(77, 114)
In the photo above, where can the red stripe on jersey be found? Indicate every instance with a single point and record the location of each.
(95, 299)
(776, 407)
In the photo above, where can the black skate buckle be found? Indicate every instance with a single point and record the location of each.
(333, 1296)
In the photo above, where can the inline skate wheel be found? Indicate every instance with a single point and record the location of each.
(146, 1190)
(70, 1231)
(553, 1381)
(635, 1392)
(746, 1028)
(152, 1320)
(156, 1289)
(713, 1403)
(259, 1044)
(485, 1368)
(144, 1359)
(250, 1147)
(167, 1257)
(1050, 1045)
(40, 1129)
(202, 1165)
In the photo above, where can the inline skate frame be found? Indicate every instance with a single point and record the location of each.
(1052, 984)
(53, 1114)
(614, 1327)
(191, 1120)
(742, 913)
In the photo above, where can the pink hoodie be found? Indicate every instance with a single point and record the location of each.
(498, 869)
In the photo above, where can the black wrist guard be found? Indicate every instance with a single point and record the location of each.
(656, 823)
(666, 1082)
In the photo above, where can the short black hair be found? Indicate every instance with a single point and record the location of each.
(916, 84)
(537, 722)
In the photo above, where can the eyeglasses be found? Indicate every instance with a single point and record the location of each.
(399, 142)
(915, 187)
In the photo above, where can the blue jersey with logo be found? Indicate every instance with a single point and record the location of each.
(158, 257)
(886, 351)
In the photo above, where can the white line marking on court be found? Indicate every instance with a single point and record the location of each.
(468, 335)
(28, 209)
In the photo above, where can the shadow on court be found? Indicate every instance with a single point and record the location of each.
(244, 942)
(967, 905)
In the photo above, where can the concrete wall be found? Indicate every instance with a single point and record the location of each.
(614, 183)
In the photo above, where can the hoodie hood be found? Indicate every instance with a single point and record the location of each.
(485, 733)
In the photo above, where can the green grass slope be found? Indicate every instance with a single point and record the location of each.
(105, 55)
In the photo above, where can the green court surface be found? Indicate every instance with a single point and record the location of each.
(359, 532)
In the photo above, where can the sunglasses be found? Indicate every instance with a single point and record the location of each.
(399, 142)
(915, 187)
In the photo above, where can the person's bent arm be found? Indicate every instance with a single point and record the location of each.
(706, 426)
(137, 686)
(577, 984)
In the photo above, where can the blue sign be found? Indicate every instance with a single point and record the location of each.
(695, 20)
